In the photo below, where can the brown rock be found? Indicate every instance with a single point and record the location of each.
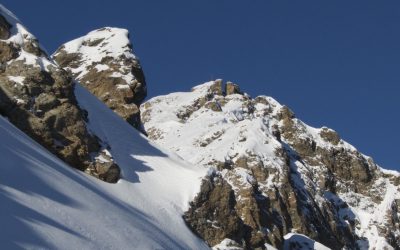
(232, 88)
(8, 51)
(214, 106)
(212, 214)
(4, 28)
(44, 106)
(216, 88)
(330, 135)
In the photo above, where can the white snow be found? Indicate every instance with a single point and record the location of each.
(227, 244)
(370, 215)
(107, 42)
(17, 79)
(101, 67)
(47, 204)
(19, 101)
(390, 172)
(123, 86)
(218, 135)
(299, 241)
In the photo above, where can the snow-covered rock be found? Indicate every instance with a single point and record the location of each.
(37, 96)
(295, 241)
(240, 172)
(103, 61)
(285, 176)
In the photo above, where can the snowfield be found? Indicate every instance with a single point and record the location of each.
(47, 204)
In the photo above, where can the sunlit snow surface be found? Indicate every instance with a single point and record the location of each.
(47, 204)
(295, 241)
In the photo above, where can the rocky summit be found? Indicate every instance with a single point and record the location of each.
(272, 175)
(103, 61)
(38, 97)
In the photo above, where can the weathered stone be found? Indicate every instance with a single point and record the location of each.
(330, 135)
(4, 28)
(73, 60)
(92, 43)
(32, 46)
(212, 214)
(214, 106)
(108, 172)
(46, 102)
(8, 51)
(285, 113)
(216, 88)
(232, 88)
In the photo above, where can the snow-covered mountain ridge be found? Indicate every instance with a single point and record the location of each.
(236, 171)
(273, 173)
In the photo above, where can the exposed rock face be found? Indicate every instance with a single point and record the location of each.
(38, 97)
(216, 205)
(274, 175)
(232, 88)
(104, 63)
(4, 28)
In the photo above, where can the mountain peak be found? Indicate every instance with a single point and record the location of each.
(97, 45)
(104, 62)
(274, 174)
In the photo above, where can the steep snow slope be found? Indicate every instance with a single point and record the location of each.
(46, 204)
(287, 177)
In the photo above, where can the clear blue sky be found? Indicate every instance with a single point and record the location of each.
(335, 63)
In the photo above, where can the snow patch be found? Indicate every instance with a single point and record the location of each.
(17, 79)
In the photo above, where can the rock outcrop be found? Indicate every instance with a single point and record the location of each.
(274, 176)
(38, 97)
(103, 61)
